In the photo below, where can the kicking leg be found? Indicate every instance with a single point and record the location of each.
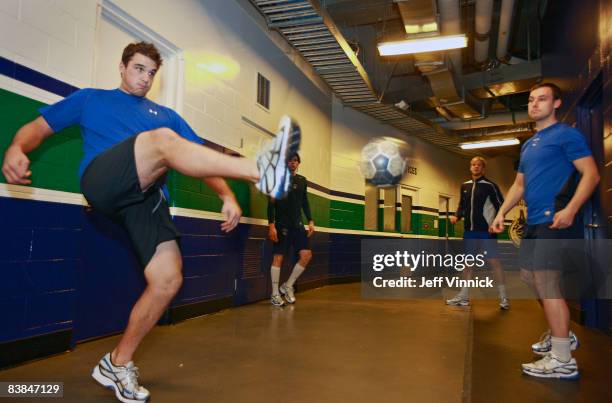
(158, 150)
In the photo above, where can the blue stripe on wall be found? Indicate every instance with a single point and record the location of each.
(29, 76)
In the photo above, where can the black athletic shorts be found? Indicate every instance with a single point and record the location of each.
(290, 237)
(543, 248)
(110, 185)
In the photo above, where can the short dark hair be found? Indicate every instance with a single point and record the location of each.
(557, 93)
(144, 48)
(295, 155)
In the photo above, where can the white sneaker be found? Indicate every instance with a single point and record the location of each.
(458, 300)
(275, 179)
(122, 379)
(504, 304)
(544, 345)
(287, 293)
(277, 300)
(552, 367)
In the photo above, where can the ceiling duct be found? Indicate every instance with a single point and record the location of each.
(419, 16)
(519, 130)
(307, 27)
(450, 18)
(429, 64)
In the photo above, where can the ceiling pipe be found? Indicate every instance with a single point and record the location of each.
(505, 20)
(484, 14)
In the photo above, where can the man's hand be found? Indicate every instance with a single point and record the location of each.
(16, 167)
(232, 212)
(497, 225)
(272, 234)
(563, 219)
(311, 228)
(453, 219)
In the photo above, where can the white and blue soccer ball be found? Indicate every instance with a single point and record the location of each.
(382, 164)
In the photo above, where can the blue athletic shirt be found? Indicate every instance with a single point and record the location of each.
(546, 162)
(108, 117)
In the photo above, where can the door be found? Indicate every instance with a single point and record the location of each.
(598, 209)
(443, 222)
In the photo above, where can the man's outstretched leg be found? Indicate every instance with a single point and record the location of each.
(158, 150)
(164, 278)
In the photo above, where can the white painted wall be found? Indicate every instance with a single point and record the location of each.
(53, 37)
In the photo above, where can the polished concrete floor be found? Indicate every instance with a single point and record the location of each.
(334, 346)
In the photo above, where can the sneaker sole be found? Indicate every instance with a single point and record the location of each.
(110, 384)
(457, 303)
(290, 146)
(566, 377)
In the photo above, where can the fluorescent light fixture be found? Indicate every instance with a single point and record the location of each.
(490, 143)
(430, 44)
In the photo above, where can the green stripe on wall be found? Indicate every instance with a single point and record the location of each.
(55, 163)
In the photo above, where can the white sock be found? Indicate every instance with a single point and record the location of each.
(502, 291)
(275, 275)
(464, 293)
(298, 269)
(561, 348)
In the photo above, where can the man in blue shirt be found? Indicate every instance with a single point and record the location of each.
(129, 144)
(549, 163)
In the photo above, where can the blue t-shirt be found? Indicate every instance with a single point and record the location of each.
(547, 163)
(108, 117)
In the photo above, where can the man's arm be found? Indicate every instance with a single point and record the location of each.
(272, 234)
(307, 213)
(460, 208)
(588, 182)
(514, 195)
(16, 165)
(231, 210)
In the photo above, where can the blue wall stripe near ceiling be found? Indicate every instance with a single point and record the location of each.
(26, 75)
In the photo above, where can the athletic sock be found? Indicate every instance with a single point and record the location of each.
(275, 275)
(561, 348)
(298, 269)
(502, 291)
(464, 293)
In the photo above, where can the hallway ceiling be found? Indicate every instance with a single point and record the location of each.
(435, 96)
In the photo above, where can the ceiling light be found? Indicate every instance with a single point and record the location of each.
(489, 143)
(430, 44)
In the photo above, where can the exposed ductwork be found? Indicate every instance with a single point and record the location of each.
(484, 13)
(505, 20)
(450, 21)
(419, 16)
(522, 129)
(499, 119)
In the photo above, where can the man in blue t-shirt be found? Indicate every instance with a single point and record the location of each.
(129, 144)
(550, 163)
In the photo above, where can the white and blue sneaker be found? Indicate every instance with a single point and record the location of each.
(458, 300)
(552, 367)
(287, 293)
(544, 345)
(275, 178)
(277, 300)
(123, 380)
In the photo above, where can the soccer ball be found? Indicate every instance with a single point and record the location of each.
(382, 164)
